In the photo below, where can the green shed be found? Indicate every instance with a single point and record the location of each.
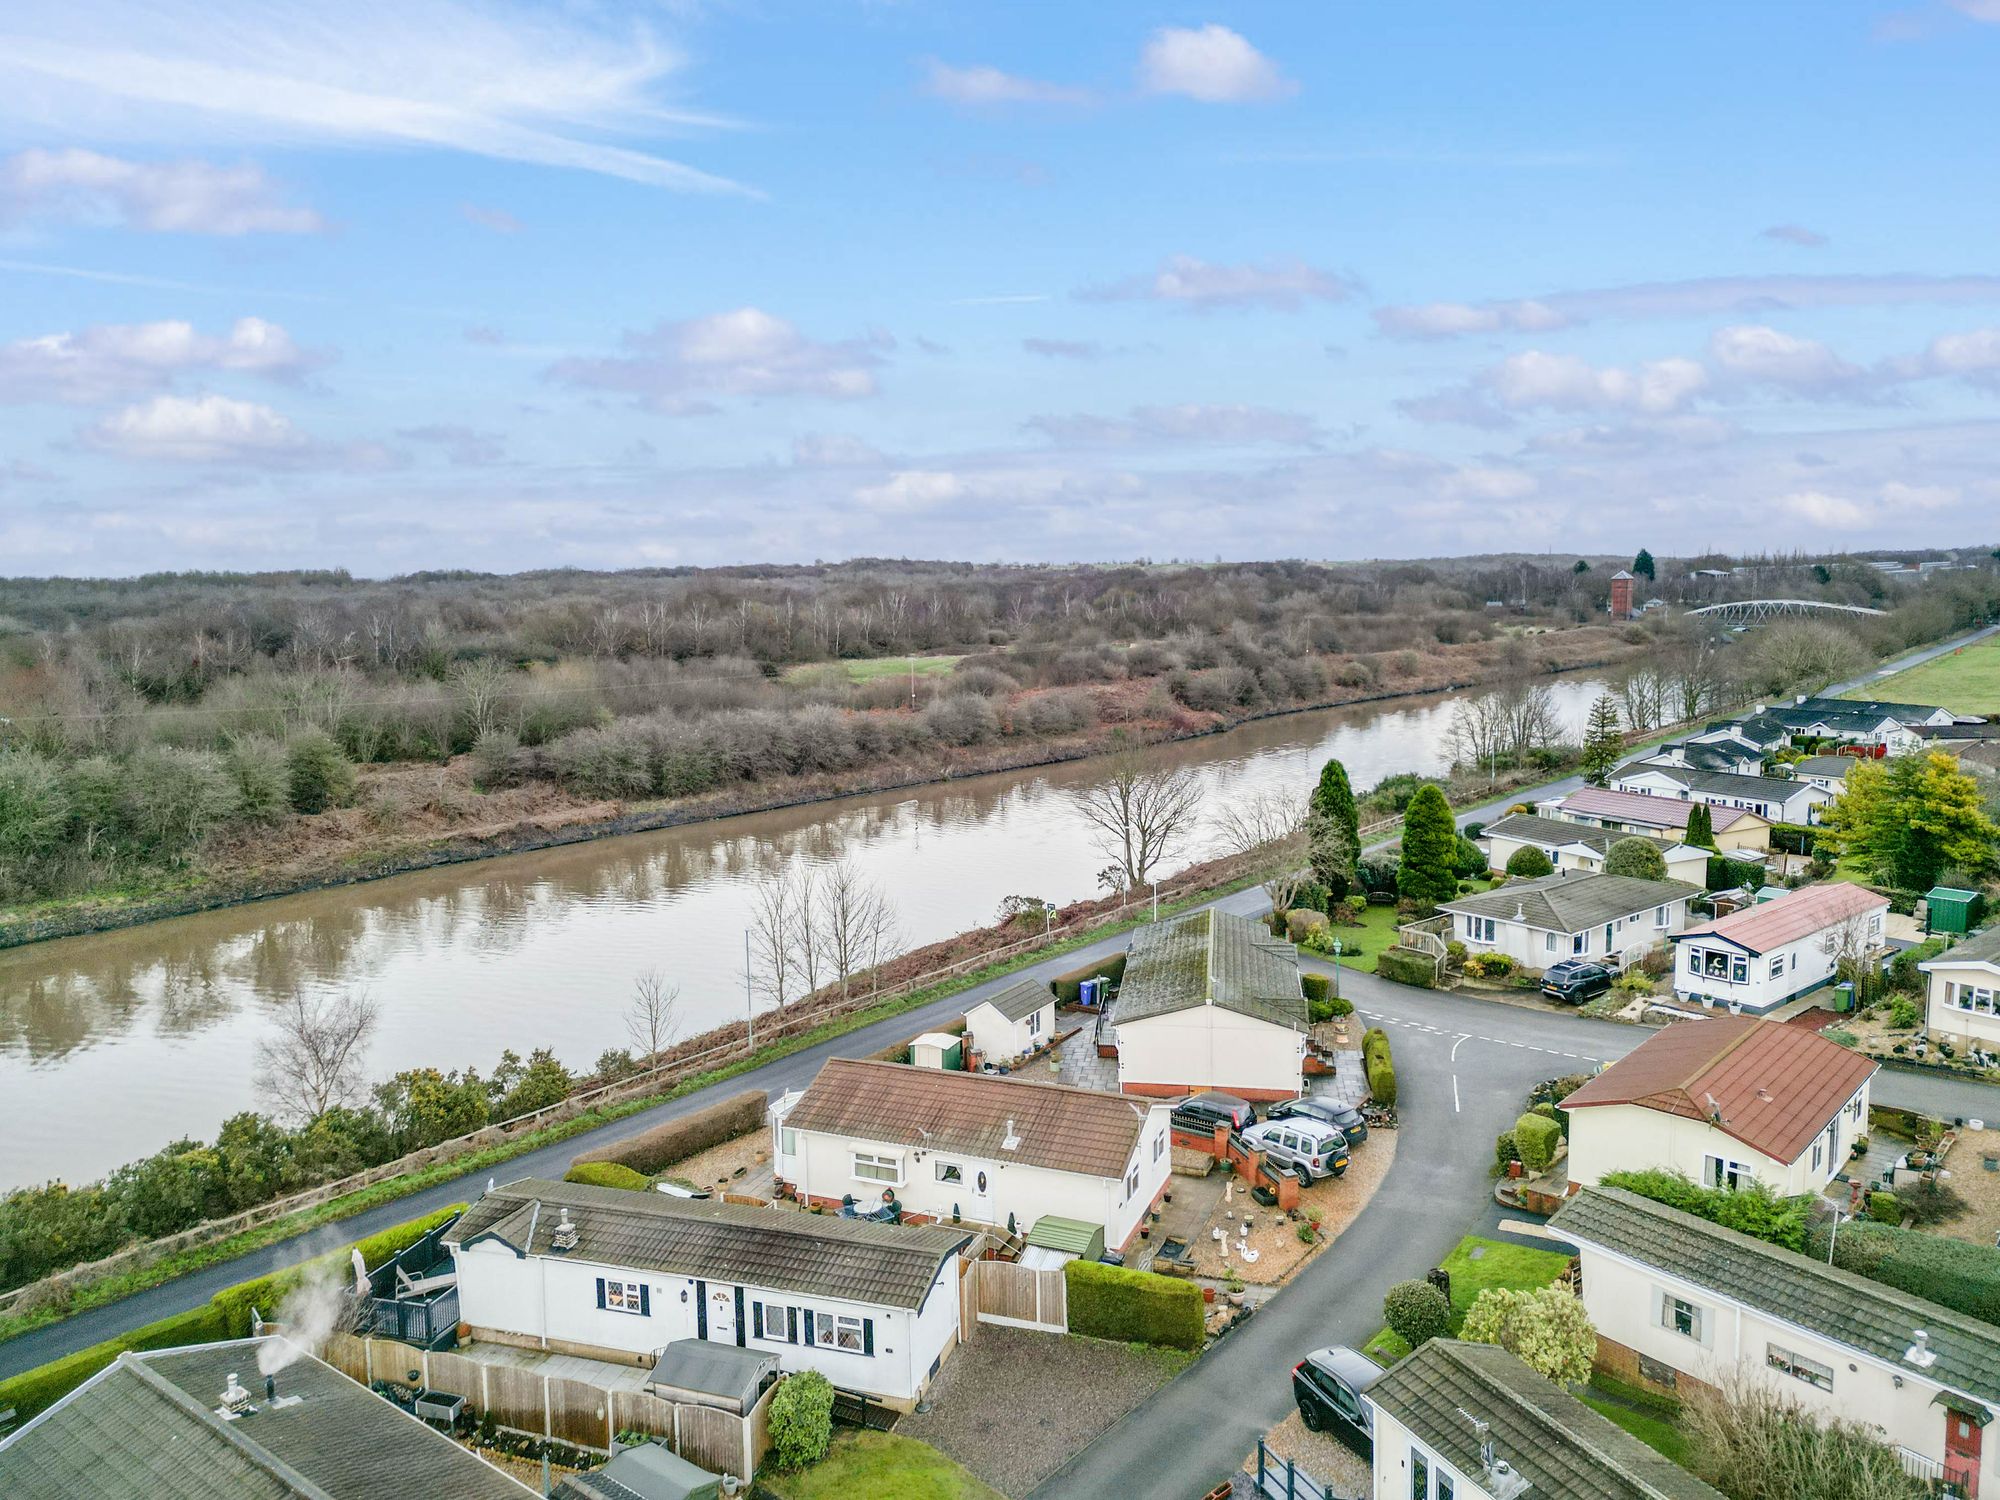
(1054, 1240)
(1950, 909)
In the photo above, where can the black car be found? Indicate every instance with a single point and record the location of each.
(1576, 980)
(1343, 1117)
(1213, 1109)
(1328, 1384)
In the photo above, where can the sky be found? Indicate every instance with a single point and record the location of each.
(402, 284)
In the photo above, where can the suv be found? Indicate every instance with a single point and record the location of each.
(1311, 1148)
(1328, 1384)
(1345, 1117)
(1213, 1109)
(1576, 980)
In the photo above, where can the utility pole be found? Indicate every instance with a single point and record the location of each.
(1156, 900)
(749, 999)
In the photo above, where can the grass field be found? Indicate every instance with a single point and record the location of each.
(881, 1466)
(877, 666)
(1474, 1265)
(1646, 1416)
(1967, 681)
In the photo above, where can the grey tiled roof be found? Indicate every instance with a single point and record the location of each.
(1722, 783)
(1837, 1304)
(1981, 947)
(1561, 1447)
(891, 1265)
(1826, 765)
(1211, 957)
(1552, 832)
(1571, 903)
(1019, 1001)
(146, 1429)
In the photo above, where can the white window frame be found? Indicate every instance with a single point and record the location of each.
(1132, 1183)
(621, 1296)
(1721, 1172)
(1660, 918)
(1159, 1145)
(1777, 970)
(788, 1141)
(876, 1163)
(1548, 942)
(1579, 944)
(1671, 1309)
(949, 1172)
(835, 1330)
(1799, 1367)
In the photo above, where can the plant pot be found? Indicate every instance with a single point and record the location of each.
(1515, 1169)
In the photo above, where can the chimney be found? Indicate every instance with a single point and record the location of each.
(235, 1400)
(563, 1239)
(1011, 1141)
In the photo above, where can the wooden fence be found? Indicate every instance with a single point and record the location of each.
(571, 1411)
(1018, 1296)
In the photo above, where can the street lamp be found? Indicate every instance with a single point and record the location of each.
(749, 1000)
(1156, 899)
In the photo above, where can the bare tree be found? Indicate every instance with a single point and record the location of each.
(773, 942)
(1140, 815)
(313, 1059)
(1643, 699)
(1268, 833)
(854, 918)
(653, 1020)
(807, 945)
(1794, 654)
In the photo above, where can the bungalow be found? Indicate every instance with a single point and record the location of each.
(1458, 1421)
(982, 1147)
(1829, 719)
(1611, 918)
(1578, 846)
(1210, 1001)
(1827, 772)
(1660, 817)
(1012, 1023)
(1726, 1101)
(617, 1275)
(1758, 958)
(1738, 757)
(1913, 715)
(1964, 995)
(1679, 1302)
(1767, 796)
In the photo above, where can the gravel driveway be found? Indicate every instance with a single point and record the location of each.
(1012, 1405)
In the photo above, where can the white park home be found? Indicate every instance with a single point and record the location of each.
(1963, 1002)
(1770, 797)
(617, 1275)
(1609, 918)
(1758, 958)
(972, 1147)
(1579, 846)
(1680, 1303)
(1012, 1023)
(1726, 1101)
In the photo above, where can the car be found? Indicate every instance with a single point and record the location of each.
(1213, 1109)
(1328, 1385)
(1576, 980)
(1311, 1148)
(1344, 1116)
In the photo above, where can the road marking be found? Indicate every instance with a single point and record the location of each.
(1454, 1094)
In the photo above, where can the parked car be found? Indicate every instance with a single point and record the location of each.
(1215, 1108)
(1576, 980)
(1311, 1148)
(1345, 1117)
(1328, 1385)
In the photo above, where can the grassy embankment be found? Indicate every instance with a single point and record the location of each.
(1966, 681)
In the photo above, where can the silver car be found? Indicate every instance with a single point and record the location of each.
(1311, 1148)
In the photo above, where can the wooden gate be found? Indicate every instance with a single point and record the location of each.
(1018, 1296)
(968, 1300)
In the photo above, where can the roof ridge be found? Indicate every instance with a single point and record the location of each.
(230, 1432)
(984, 1080)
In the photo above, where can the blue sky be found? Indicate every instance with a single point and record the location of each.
(441, 283)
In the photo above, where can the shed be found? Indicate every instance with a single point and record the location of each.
(938, 1049)
(650, 1471)
(699, 1372)
(1948, 908)
(1013, 1022)
(1054, 1240)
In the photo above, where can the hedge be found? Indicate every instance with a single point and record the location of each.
(1407, 966)
(224, 1316)
(1069, 987)
(1380, 1067)
(1536, 1137)
(1133, 1307)
(653, 1151)
(1315, 987)
(1755, 1210)
(608, 1174)
(1795, 838)
(1953, 1273)
(1726, 874)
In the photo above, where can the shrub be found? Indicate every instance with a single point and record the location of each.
(1955, 1273)
(1471, 861)
(263, 779)
(1903, 1013)
(1489, 965)
(1884, 1209)
(1380, 1068)
(34, 1390)
(1407, 966)
(801, 1420)
(1301, 921)
(1133, 1307)
(1546, 1328)
(318, 771)
(1754, 1210)
(608, 1174)
(1726, 874)
(1416, 1310)
(1316, 987)
(1636, 857)
(653, 1151)
(1529, 863)
(1505, 1150)
(1068, 987)
(1536, 1136)
(1430, 852)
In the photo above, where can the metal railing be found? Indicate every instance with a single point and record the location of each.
(1282, 1479)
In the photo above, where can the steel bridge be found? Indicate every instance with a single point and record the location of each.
(1752, 611)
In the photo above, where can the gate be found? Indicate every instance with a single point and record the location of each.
(1018, 1296)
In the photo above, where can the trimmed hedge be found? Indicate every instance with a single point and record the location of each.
(1725, 874)
(1069, 987)
(653, 1151)
(1315, 987)
(1536, 1138)
(1133, 1307)
(1795, 838)
(1380, 1066)
(1407, 966)
(266, 1293)
(1953, 1273)
(1755, 1210)
(608, 1174)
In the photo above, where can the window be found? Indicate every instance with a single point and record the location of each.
(772, 1321)
(1819, 1153)
(1970, 998)
(1778, 967)
(840, 1331)
(1035, 1023)
(1131, 1184)
(1680, 1317)
(1854, 1108)
(624, 1296)
(1444, 1489)
(1479, 929)
(1159, 1145)
(1811, 1371)
(1660, 918)
(1548, 942)
(870, 1167)
(1580, 942)
(1795, 959)
(1739, 970)
(1420, 1476)
(788, 1141)
(950, 1171)
(1719, 1172)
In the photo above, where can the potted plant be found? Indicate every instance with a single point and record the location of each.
(1207, 1293)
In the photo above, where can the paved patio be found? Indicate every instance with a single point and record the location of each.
(600, 1373)
(1081, 1066)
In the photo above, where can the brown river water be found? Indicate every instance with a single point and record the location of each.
(113, 1044)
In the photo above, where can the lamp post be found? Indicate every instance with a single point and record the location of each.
(1156, 899)
(749, 1000)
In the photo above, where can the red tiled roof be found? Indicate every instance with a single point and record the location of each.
(1638, 807)
(1769, 1085)
(1772, 924)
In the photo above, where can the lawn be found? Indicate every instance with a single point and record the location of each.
(1476, 1264)
(1361, 946)
(1966, 681)
(869, 668)
(1647, 1417)
(881, 1466)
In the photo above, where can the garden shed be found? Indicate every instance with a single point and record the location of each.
(1950, 909)
(702, 1372)
(650, 1471)
(1054, 1240)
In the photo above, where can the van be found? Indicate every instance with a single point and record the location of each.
(1311, 1148)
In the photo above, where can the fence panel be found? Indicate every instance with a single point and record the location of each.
(455, 1374)
(347, 1354)
(1021, 1297)
(579, 1413)
(712, 1439)
(514, 1396)
(641, 1411)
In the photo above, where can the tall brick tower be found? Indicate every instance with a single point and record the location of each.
(1621, 595)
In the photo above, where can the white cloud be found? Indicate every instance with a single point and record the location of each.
(538, 84)
(1899, 496)
(1818, 508)
(1192, 423)
(1460, 406)
(911, 490)
(466, 447)
(1973, 356)
(1283, 285)
(747, 352)
(197, 429)
(1443, 320)
(985, 86)
(833, 450)
(1487, 482)
(1565, 382)
(111, 361)
(1084, 349)
(1978, 10)
(1210, 63)
(175, 197)
(1758, 353)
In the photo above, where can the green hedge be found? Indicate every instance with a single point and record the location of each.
(1133, 1307)
(1536, 1138)
(1795, 838)
(653, 1151)
(608, 1174)
(1407, 966)
(1755, 1210)
(1380, 1066)
(1315, 987)
(1953, 1273)
(1725, 874)
(224, 1316)
(1068, 987)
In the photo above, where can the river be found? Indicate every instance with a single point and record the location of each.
(115, 1043)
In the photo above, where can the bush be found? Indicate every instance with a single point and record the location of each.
(1636, 857)
(1529, 863)
(801, 1420)
(1505, 1150)
(1489, 965)
(1380, 1067)
(34, 1390)
(1471, 860)
(1316, 987)
(653, 1151)
(1416, 1310)
(608, 1174)
(1546, 1328)
(1069, 987)
(1300, 922)
(1755, 1210)
(1884, 1209)
(1903, 1013)
(1726, 874)
(1955, 1273)
(1133, 1307)
(1407, 966)
(319, 773)
(1536, 1137)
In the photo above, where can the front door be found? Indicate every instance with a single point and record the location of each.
(722, 1313)
(982, 1197)
(1961, 1453)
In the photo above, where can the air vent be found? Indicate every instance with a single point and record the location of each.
(235, 1400)
(1011, 1141)
(1920, 1353)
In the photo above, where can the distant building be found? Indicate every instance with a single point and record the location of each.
(1581, 846)
(1965, 992)
(1621, 595)
(1735, 828)
(1767, 796)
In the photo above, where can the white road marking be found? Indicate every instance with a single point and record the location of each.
(1454, 1094)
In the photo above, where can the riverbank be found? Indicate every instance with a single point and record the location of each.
(414, 817)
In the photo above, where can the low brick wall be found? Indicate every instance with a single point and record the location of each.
(1621, 1362)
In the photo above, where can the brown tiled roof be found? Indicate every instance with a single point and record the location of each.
(1062, 1128)
(1655, 812)
(1774, 1086)
(1772, 924)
